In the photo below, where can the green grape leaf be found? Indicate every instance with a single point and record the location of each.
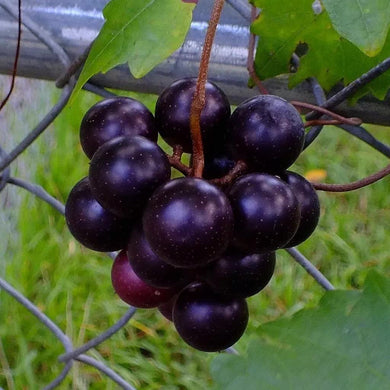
(138, 32)
(344, 343)
(365, 23)
(327, 56)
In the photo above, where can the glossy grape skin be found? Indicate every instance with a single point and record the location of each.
(217, 166)
(267, 132)
(266, 213)
(148, 266)
(114, 117)
(188, 222)
(131, 289)
(207, 321)
(173, 114)
(91, 224)
(309, 204)
(240, 275)
(124, 172)
(166, 308)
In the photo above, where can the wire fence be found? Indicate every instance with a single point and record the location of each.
(67, 81)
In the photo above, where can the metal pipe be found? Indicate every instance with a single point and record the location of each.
(74, 24)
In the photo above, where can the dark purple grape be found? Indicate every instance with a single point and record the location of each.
(91, 224)
(267, 132)
(309, 204)
(188, 222)
(207, 321)
(148, 266)
(110, 118)
(240, 275)
(173, 114)
(166, 308)
(266, 213)
(124, 172)
(131, 289)
(217, 166)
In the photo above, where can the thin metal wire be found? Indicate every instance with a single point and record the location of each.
(310, 268)
(38, 314)
(39, 192)
(39, 32)
(39, 129)
(6, 174)
(99, 339)
(354, 86)
(106, 370)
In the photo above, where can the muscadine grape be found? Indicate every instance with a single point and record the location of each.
(91, 224)
(166, 308)
(124, 172)
(188, 222)
(309, 204)
(267, 132)
(240, 275)
(114, 117)
(266, 212)
(173, 114)
(208, 321)
(217, 166)
(131, 289)
(148, 266)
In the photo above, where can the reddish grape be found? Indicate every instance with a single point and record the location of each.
(131, 289)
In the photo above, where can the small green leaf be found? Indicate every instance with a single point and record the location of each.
(329, 57)
(342, 344)
(365, 23)
(140, 32)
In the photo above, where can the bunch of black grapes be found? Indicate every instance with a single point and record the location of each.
(188, 246)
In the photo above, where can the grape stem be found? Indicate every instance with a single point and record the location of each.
(239, 169)
(15, 66)
(175, 160)
(250, 65)
(354, 185)
(199, 99)
(340, 118)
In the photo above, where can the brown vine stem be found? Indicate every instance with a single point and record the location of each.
(239, 169)
(354, 185)
(15, 67)
(199, 99)
(340, 118)
(250, 65)
(175, 160)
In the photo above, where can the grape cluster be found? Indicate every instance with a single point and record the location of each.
(193, 249)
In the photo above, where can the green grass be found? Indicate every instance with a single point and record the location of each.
(72, 285)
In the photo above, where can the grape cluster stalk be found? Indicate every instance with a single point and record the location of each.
(193, 247)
